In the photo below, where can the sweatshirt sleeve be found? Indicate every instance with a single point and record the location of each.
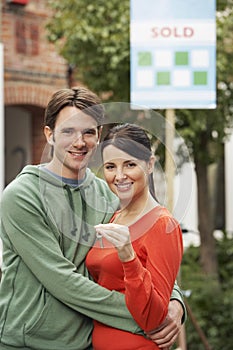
(149, 284)
(178, 295)
(24, 223)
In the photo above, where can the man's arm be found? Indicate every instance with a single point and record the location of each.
(166, 334)
(25, 224)
(178, 296)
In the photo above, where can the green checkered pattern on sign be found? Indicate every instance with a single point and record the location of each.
(200, 78)
(144, 59)
(181, 58)
(163, 78)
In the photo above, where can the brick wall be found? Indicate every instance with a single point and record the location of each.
(29, 57)
(32, 67)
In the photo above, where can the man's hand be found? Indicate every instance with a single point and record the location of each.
(166, 334)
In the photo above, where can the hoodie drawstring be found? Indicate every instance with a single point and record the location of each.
(70, 197)
(84, 227)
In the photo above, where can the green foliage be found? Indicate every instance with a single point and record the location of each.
(212, 307)
(94, 37)
(222, 4)
(206, 130)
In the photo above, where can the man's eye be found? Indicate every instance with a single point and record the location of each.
(90, 132)
(67, 132)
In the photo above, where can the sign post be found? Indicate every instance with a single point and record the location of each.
(169, 160)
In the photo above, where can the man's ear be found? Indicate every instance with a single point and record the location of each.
(49, 135)
(151, 164)
(100, 129)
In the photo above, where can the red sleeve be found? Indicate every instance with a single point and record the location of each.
(150, 277)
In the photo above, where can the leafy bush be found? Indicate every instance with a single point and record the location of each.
(211, 302)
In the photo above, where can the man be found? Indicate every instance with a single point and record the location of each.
(47, 301)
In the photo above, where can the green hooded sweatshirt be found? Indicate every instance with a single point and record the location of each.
(47, 300)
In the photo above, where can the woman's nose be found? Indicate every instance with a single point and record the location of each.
(120, 174)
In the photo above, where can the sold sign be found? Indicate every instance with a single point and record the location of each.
(176, 32)
(172, 54)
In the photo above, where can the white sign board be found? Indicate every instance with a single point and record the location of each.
(172, 51)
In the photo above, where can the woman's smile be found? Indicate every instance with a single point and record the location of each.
(124, 186)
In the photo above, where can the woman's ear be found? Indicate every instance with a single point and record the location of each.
(151, 164)
(49, 135)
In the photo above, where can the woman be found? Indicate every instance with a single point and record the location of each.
(143, 242)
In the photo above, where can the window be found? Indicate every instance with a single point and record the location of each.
(26, 38)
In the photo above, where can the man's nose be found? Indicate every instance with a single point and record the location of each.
(78, 140)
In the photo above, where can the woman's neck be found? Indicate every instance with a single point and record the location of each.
(132, 212)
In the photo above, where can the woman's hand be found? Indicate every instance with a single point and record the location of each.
(119, 236)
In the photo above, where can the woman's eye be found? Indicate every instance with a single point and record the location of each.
(109, 167)
(131, 165)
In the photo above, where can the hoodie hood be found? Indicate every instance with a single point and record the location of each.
(43, 175)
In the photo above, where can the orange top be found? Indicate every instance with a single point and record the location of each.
(147, 281)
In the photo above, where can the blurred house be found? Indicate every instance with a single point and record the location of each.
(32, 72)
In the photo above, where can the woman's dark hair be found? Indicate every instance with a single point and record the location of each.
(133, 140)
(79, 97)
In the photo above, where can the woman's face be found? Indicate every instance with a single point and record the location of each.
(126, 175)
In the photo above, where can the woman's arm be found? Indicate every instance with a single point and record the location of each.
(148, 285)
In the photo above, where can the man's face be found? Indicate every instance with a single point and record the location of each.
(74, 141)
